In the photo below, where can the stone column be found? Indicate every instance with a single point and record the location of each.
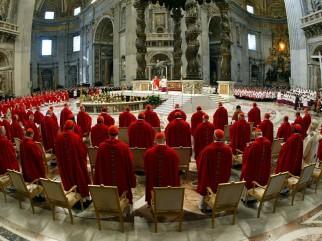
(140, 6)
(177, 51)
(192, 33)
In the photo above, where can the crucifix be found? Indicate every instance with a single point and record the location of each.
(319, 57)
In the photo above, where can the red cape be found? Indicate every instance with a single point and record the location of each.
(32, 125)
(239, 135)
(8, 158)
(203, 136)
(126, 118)
(254, 115)
(141, 134)
(38, 117)
(178, 133)
(306, 123)
(291, 155)
(171, 115)
(196, 119)
(49, 130)
(108, 119)
(267, 129)
(152, 118)
(32, 162)
(17, 131)
(71, 156)
(114, 166)
(220, 118)
(99, 133)
(215, 166)
(7, 126)
(84, 121)
(64, 116)
(284, 131)
(257, 162)
(161, 168)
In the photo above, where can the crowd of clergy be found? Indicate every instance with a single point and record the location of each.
(114, 162)
(255, 93)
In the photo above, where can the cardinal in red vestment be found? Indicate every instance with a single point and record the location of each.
(38, 116)
(254, 115)
(220, 117)
(171, 116)
(196, 119)
(178, 132)
(49, 131)
(32, 163)
(151, 116)
(141, 134)
(267, 128)
(291, 154)
(64, 115)
(84, 121)
(108, 119)
(306, 121)
(285, 130)
(215, 163)
(99, 132)
(77, 129)
(203, 136)
(239, 134)
(126, 118)
(5, 122)
(161, 167)
(71, 155)
(298, 119)
(31, 124)
(8, 159)
(257, 161)
(16, 128)
(114, 164)
(236, 113)
(51, 108)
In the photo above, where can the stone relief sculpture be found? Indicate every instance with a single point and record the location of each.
(316, 5)
(177, 51)
(4, 7)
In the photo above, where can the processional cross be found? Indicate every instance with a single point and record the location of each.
(319, 57)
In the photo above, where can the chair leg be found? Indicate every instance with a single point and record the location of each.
(293, 196)
(71, 216)
(234, 216)
(275, 203)
(316, 185)
(32, 206)
(303, 192)
(20, 204)
(82, 206)
(53, 211)
(259, 209)
(122, 223)
(180, 222)
(98, 220)
(5, 196)
(155, 224)
(213, 215)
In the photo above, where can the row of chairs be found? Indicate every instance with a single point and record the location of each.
(166, 201)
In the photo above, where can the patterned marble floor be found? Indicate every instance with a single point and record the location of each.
(303, 221)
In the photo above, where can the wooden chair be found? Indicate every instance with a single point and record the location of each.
(24, 189)
(184, 154)
(92, 153)
(167, 201)
(238, 158)
(138, 158)
(276, 148)
(4, 183)
(47, 156)
(123, 134)
(17, 142)
(269, 192)
(300, 183)
(57, 196)
(106, 200)
(226, 199)
(316, 176)
(226, 131)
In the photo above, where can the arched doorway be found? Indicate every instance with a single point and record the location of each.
(160, 65)
(6, 75)
(214, 49)
(103, 52)
(315, 69)
(47, 77)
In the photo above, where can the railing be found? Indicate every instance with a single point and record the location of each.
(159, 36)
(312, 19)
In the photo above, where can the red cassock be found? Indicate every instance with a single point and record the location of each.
(126, 118)
(203, 136)
(84, 121)
(319, 154)
(64, 116)
(49, 131)
(32, 162)
(152, 118)
(114, 166)
(32, 125)
(171, 115)
(178, 133)
(254, 115)
(215, 166)
(16, 130)
(298, 120)
(306, 123)
(220, 118)
(257, 162)
(161, 168)
(284, 131)
(239, 134)
(8, 158)
(196, 119)
(99, 133)
(78, 130)
(291, 155)
(141, 134)
(71, 156)
(235, 115)
(38, 117)
(7, 126)
(266, 127)
(108, 119)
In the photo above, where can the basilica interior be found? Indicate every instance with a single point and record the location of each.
(119, 54)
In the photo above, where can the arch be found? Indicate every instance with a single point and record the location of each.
(152, 55)
(99, 26)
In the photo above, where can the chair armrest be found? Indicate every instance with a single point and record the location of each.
(209, 191)
(36, 181)
(73, 189)
(290, 174)
(241, 152)
(49, 151)
(257, 184)
(123, 195)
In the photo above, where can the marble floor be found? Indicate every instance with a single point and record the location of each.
(303, 221)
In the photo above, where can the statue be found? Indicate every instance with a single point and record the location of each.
(4, 7)
(160, 66)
